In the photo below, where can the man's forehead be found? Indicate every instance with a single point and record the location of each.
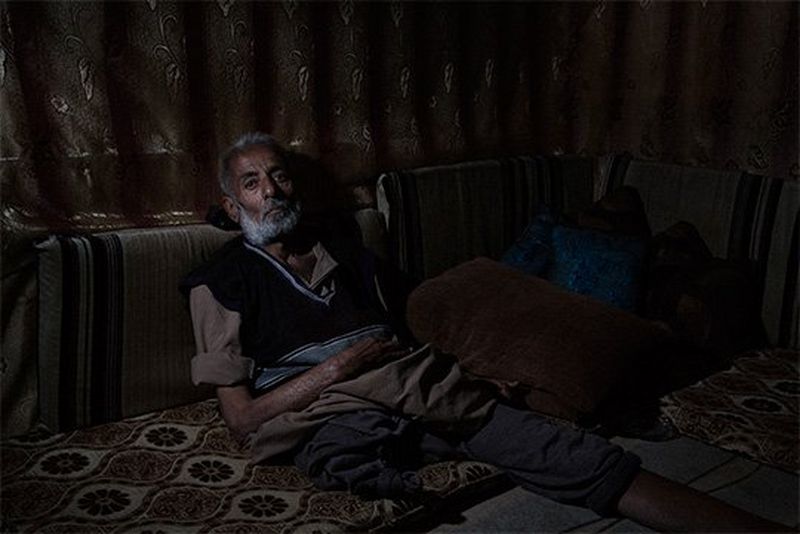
(257, 157)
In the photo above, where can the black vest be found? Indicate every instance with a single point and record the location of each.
(278, 315)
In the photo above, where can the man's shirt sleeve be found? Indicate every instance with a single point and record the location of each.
(219, 359)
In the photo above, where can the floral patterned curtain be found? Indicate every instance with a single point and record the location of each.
(113, 113)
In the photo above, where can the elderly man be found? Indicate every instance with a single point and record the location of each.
(301, 332)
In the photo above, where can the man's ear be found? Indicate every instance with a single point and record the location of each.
(231, 208)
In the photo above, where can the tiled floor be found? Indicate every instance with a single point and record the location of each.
(763, 490)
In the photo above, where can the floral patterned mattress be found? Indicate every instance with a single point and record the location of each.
(751, 408)
(177, 470)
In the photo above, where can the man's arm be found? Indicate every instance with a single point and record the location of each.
(219, 362)
(244, 414)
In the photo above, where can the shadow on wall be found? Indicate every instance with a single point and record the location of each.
(316, 185)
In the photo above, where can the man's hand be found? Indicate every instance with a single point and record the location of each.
(365, 354)
(244, 414)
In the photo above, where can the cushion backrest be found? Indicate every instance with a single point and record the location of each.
(441, 216)
(115, 335)
(741, 217)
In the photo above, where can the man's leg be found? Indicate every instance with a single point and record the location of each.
(665, 505)
(576, 467)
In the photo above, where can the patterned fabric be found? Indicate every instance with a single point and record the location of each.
(740, 216)
(441, 216)
(115, 111)
(115, 334)
(178, 470)
(751, 408)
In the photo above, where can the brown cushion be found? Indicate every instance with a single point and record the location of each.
(572, 351)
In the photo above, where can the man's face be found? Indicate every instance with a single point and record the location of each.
(263, 190)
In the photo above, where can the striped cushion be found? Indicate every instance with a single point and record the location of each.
(740, 216)
(115, 336)
(441, 216)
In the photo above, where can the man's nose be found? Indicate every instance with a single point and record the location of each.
(269, 187)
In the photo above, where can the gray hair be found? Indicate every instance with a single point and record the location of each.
(243, 144)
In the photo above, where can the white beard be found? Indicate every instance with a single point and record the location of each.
(264, 231)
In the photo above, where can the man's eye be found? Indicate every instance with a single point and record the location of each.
(250, 184)
(281, 177)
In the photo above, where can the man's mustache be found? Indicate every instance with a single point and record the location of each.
(271, 204)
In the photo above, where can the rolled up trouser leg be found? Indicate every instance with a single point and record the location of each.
(554, 460)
